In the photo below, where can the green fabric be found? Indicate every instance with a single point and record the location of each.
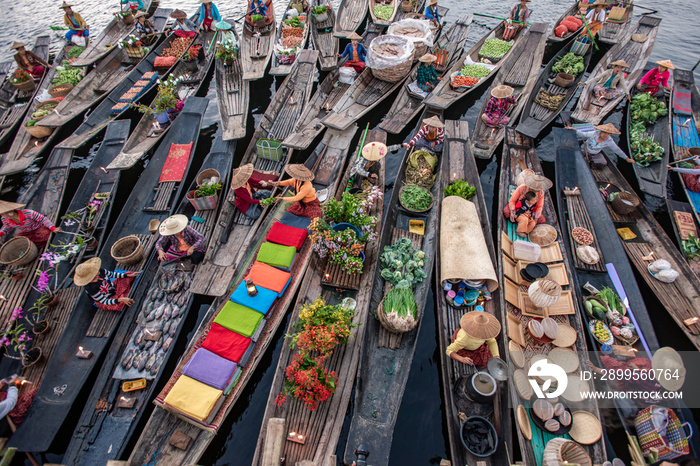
(240, 319)
(276, 255)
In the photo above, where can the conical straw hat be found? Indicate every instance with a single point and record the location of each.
(299, 172)
(65, 5)
(16, 45)
(607, 128)
(173, 225)
(434, 121)
(502, 91)
(374, 151)
(621, 63)
(480, 325)
(241, 175)
(427, 58)
(537, 182)
(6, 206)
(354, 36)
(178, 14)
(666, 64)
(87, 271)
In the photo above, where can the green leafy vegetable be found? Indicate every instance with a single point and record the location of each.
(401, 301)
(569, 63)
(402, 264)
(415, 198)
(383, 12)
(75, 52)
(495, 48)
(691, 248)
(460, 188)
(475, 71)
(612, 300)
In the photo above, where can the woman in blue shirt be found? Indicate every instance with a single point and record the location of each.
(598, 138)
(431, 12)
(208, 13)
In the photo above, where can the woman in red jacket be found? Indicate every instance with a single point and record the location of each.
(248, 191)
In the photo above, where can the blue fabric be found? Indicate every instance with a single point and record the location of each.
(214, 13)
(258, 7)
(432, 14)
(361, 52)
(295, 220)
(694, 199)
(261, 302)
(71, 33)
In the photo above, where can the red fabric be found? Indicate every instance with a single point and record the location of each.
(357, 65)
(164, 62)
(40, 236)
(480, 356)
(225, 343)
(287, 236)
(691, 181)
(506, 213)
(243, 199)
(123, 285)
(310, 210)
(269, 277)
(176, 164)
(189, 34)
(24, 402)
(38, 71)
(265, 175)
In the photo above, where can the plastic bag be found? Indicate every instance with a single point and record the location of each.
(469, 61)
(80, 41)
(347, 75)
(380, 60)
(422, 25)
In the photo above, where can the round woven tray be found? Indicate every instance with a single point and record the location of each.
(564, 358)
(127, 250)
(522, 384)
(585, 428)
(583, 255)
(516, 354)
(524, 422)
(416, 211)
(567, 336)
(543, 234)
(18, 251)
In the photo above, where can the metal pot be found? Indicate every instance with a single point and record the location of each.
(482, 387)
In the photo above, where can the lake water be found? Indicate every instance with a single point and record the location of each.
(420, 435)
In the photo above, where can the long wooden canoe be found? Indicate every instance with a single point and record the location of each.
(652, 179)
(519, 154)
(676, 208)
(98, 119)
(153, 443)
(145, 136)
(100, 81)
(443, 95)
(232, 96)
(383, 22)
(614, 30)
(322, 426)
(571, 11)
(591, 110)
(459, 163)
(104, 434)
(323, 39)
(233, 228)
(277, 68)
(14, 103)
(536, 117)
(520, 72)
(351, 13)
(88, 326)
(408, 104)
(378, 397)
(257, 47)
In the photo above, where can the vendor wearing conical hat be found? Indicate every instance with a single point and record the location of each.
(595, 18)
(431, 12)
(28, 60)
(25, 222)
(367, 167)
(248, 191)
(179, 241)
(144, 29)
(501, 101)
(355, 53)
(304, 202)
(610, 84)
(474, 343)
(108, 290)
(208, 13)
(430, 136)
(655, 79)
(517, 19)
(258, 7)
(427, 78)
(182, 22)
(526, 203)
(597, 139)
(74, 22)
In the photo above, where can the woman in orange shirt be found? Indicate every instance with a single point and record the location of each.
(304, 202)
(536, 183)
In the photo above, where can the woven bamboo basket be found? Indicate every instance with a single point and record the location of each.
(407, 6)
(399, 71)
(625, 203)
(127, 250)
(39, 132)
(27, 86)
(561, 451)
(60, 90)
(564, 80)
(207, 174)
(18, 251)
(45, 105)
(128, 19)
(135, 52)
(388, 325)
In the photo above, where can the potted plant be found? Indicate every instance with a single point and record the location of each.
(22, 80)
(226, 52)
(133, 46)
(126, 16)
(16, 340)
(35, 315)
(205, 197)
(320, 13)
(191, 57)
(258, 21)
(164, 102)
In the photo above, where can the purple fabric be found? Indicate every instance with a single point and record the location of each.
(210, 369)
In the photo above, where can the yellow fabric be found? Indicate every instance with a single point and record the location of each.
(193, 398)
(78, 18)
(306, 194)
(464, 341)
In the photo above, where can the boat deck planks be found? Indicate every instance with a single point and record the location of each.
(257, 47)
(613, 31)
(324, 41)
(351, 13)
(233, 95)
(579, 217)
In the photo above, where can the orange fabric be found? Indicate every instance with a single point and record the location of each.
(268, 277)
(183, 246)
(519, 194)
(306, 194)
(355, 55)
(176, 164)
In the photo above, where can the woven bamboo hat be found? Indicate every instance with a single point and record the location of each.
(204, 1)
(666, 64)
(241, 175)
(139, 14)
(178, 14)
(502, 91)
(374, 151)
(6, 206)
(666, 360)
(223, 25)
(607, 128)
(354, 36)
(427, 58)
(65, 5)
(432, 2)
(537, 182)
(480, 325)
(87, 271)
(598, 3)
(299, 172)
(16, 45)
(173, 225)
(621, 63)
(434, 121)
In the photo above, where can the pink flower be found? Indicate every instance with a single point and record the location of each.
(43, 281)
(4, 341)
(16, 314)
(24, 337)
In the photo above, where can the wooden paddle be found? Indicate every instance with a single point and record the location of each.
(583, 18)
(502, 19)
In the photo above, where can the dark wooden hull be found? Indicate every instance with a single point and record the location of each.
(351, 13)
(49, 411)
(678, 206)
(232, 96)
(256, 50)
(324, 41)
(572, 10)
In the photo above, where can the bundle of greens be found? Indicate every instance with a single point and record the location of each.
(383, 12)
(460, 188)
(415, 198)
(401, 301)
(75, 52)
(691, 248)
(612, 300)
(67, 74)
(402, 264)
(294, 22)
(569, 63)
(474, 71)
(646, 109)
(645, 150)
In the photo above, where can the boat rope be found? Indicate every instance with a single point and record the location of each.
(371, 397)
(156, 454)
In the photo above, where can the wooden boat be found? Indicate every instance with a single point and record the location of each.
(652, 179)
(101, 115)
(100, 81)
(520, 72)
(459, 163)
(378, 397)
(675, 209)
(616, 25)
(322, 426)
(444, 95)
(103, 434)
(257, 47)
(153, 443)
(590, 110)
(383, 22)
(145, 135)
(221, 260)
(351, 13)
(408, 104)
(323, 39)
(15, 103)
(571, 11)
(519, 154)
(536, 117)
(101, 45)
(93, 329)
(277, 68)
(418, 9)
(233, 94)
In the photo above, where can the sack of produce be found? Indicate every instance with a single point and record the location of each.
(421, 165)
(575, 20)
(390, 57)
(398, 311)
(415, 30)
(346, 75)
(495, 49)
(164, 62)
(561, 31)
